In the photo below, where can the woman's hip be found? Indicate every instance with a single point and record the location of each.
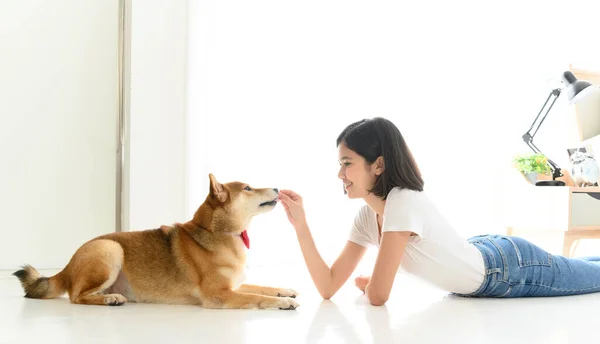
(516, 267)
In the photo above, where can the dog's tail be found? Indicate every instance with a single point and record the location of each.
(37, 286)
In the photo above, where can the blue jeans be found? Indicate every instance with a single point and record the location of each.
(517, 268)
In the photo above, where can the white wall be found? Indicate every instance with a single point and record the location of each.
(58, 127)
(156, 132)
(59, 109)
(447, 77)
(273, 83)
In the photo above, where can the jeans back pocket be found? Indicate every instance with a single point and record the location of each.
(529, 254)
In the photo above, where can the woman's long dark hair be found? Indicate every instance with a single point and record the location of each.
(375, 137)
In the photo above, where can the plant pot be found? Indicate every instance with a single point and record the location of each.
(531, 177)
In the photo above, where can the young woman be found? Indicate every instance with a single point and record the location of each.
(398, 218)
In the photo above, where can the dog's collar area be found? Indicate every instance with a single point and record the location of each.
(245, 238)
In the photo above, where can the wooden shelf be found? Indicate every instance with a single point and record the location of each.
(585, 189)
(584, 228)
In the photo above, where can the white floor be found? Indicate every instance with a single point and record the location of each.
(414, 314)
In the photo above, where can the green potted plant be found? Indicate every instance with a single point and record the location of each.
(531, 165)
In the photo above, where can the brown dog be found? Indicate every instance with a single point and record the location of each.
(198, 262)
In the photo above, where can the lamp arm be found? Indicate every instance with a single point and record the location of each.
(528, 136)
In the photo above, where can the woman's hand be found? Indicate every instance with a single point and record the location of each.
(294, 209)
(361, 282)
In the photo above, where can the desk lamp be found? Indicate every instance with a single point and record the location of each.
(577, 90)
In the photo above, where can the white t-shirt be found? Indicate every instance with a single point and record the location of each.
(437, 254)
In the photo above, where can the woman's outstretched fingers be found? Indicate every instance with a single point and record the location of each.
(292, 203)
(284, 198)
(290, 194)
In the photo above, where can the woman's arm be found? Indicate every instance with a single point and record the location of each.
(388, 260)
(328, 280)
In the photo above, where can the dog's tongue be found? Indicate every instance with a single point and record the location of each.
(246, 239)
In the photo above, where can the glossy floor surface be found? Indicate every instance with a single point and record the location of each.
(415, 313)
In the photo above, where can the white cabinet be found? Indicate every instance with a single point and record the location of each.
(575, 211)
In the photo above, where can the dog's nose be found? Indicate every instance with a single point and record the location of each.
(276, 190)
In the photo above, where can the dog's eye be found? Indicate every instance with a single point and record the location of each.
(247, 188)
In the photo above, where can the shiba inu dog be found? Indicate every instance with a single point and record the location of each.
(198, 262)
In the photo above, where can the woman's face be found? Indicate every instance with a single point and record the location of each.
(356, 173)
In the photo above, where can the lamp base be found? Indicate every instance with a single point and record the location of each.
(550, 183)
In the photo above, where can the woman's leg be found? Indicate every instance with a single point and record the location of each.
(590, 258)
(535, 272)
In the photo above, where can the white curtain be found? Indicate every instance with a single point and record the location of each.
(272, 84)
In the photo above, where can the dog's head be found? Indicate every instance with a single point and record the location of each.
(235, 203)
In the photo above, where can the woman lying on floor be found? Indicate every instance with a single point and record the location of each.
(398, 218)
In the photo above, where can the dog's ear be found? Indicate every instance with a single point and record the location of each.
(216, 189)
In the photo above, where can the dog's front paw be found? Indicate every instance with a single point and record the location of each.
(287, 303)
(287, 293)
(114, 299)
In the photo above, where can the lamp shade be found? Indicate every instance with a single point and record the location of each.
(577, 90)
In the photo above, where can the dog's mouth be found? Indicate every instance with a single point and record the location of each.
(269, 203)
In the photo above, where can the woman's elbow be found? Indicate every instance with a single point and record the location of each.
(326, 292)
(326, 295)
(377, 299)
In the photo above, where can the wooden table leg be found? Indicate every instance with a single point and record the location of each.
(567, 243)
